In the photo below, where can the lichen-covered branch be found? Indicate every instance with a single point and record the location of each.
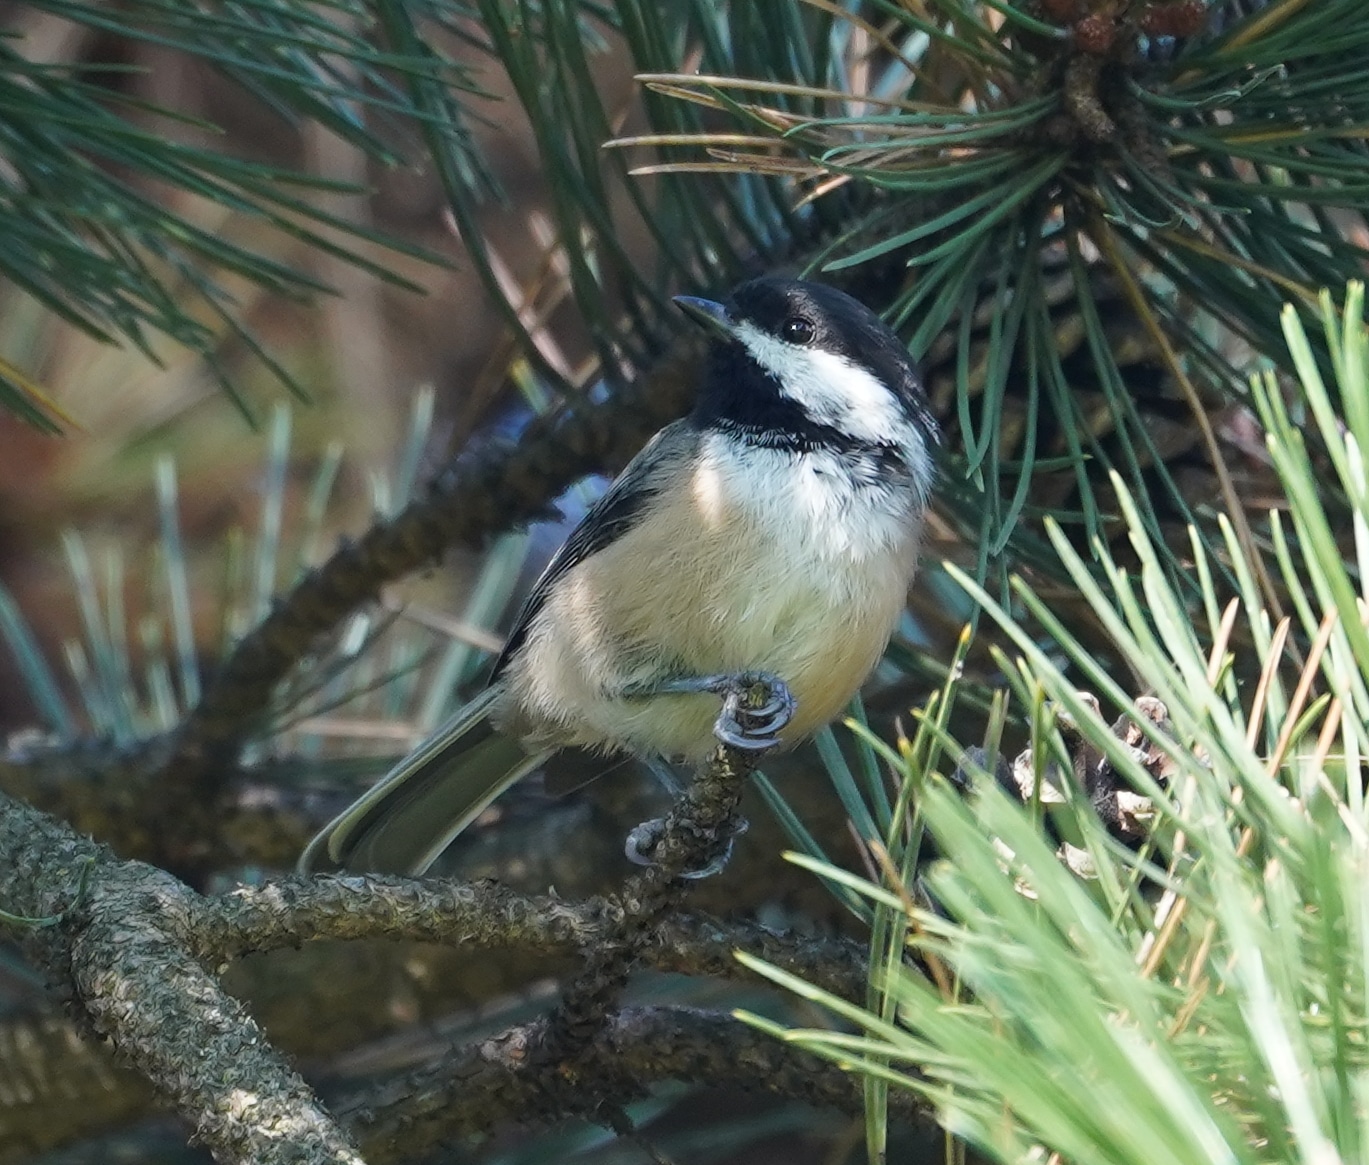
(131, 951)
(292, 911)
(501, 1080)
(119, 956)
(697, 833)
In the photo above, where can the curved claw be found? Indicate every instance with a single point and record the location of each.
(716, 866)
(643, 838)
(731, 734)
(753, 727)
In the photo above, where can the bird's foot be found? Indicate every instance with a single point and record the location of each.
(644, 838)
(756, 706)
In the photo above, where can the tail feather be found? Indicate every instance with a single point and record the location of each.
(415, 811)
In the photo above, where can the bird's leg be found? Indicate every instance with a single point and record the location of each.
(664, 774)
(756, 705)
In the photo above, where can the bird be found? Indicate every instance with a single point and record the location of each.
(770, 536)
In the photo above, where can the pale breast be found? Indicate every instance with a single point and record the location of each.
(765, 561)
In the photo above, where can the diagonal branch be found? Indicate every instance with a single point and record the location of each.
(119, 955)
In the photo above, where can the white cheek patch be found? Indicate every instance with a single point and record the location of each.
(831, 389)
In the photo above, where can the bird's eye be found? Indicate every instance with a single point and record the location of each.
(798, 330)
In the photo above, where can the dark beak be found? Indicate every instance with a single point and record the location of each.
(713, 316)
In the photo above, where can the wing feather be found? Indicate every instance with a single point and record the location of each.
(613, 515)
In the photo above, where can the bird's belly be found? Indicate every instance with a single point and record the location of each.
(718, 586)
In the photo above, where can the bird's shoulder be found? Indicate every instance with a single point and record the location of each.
(620, 508)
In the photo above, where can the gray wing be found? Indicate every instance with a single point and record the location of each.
(612, 516)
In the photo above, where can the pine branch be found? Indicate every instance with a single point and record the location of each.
(127, 946)
(113, 937)
(500, 1081)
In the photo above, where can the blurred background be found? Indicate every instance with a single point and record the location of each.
(361, 355)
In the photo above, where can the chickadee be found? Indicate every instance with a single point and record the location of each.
(772, 533)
